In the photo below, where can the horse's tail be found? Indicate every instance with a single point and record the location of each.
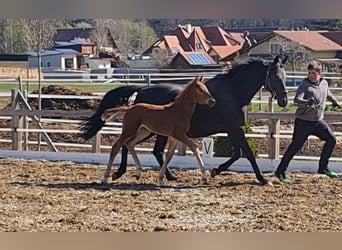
(113, 98)
(110, 113)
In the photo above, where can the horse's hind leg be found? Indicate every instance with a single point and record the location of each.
(123, 164)
(115, 149)
(169, 154)
(140, 135)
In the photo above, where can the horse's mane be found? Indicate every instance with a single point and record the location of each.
(242, 67)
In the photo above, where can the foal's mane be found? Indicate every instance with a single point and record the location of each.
(242, 67)
(185, 91)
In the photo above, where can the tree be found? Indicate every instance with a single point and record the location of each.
(160, 58)
(297, 53)
(38, 35)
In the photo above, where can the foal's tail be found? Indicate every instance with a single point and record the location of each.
(110, 114)
(113, 98)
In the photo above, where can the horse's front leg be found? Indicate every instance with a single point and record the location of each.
(158, 152)
(251, 158)
(224, 166)
(194, 148)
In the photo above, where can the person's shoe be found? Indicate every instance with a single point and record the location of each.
(281, 177)
(328, 172)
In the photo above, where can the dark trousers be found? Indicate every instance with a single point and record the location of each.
(302, 130)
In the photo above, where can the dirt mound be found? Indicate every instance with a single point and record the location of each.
(64, 104)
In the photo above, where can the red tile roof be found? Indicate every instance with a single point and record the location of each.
(310, 39)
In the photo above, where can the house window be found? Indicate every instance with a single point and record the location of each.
(275, 49)
(48, 64)
(69, 63)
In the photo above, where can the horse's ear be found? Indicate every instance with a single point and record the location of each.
(201, 78)
(284, 59)
(276, 59)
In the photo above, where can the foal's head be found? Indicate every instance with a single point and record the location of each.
(203, 95)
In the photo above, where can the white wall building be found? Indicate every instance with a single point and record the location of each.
(58, 58)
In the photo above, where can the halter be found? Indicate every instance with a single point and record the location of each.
(268, 85)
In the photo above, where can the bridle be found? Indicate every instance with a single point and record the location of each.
(268, 85)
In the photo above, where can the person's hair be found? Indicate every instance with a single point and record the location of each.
(316, 66)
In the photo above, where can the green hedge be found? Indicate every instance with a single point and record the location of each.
(223, 147)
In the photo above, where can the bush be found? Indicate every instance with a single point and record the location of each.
(223, 147)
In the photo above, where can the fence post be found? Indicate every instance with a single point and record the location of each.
(96, 143)
(16, 123)
(274, 140)
(270, 104)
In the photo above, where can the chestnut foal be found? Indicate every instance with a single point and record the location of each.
(172, 120)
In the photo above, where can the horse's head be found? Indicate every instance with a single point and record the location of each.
(276, 79)
(203, 95)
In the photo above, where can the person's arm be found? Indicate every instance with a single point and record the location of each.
(299, 97)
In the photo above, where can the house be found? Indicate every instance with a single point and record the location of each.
(302, 46)
(212, 41)
(82, 41)
(52, 59)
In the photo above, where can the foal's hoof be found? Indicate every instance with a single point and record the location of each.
(170, 177)
(214, 172)
(161, 183)
(205, 181)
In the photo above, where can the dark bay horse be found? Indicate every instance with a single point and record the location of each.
(232, 91)
(172, 120)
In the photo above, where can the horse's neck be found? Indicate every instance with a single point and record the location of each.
(250, 85)
(186, 102)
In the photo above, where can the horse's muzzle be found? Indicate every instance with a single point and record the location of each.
(282, 101)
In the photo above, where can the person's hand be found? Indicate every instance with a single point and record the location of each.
(335, 104)
(311, 101)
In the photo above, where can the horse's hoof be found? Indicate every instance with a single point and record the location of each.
(161, 183)
(170, 177)
(265, 182)
(115, 176)
(104, 182)
(269, 183)
(214, 172)
(137, 177)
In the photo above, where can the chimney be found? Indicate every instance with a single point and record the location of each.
(188, 27)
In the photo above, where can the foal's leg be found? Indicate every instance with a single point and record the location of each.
(195, 149)
(141, 134)
(168, 156)
(158, 152)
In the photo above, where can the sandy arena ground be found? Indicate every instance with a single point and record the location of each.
(64, 196)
